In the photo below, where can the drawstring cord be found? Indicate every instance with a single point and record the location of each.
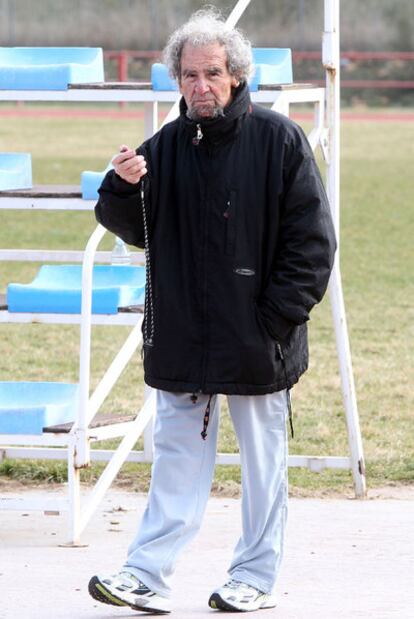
(289, 405)
(148, 302)
(289, 402)
(206, 418)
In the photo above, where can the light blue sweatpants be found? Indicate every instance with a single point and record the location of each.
(182, 474)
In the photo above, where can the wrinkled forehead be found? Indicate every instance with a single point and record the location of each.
(198, 57)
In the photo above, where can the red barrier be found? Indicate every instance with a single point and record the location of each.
(353, 55)
(123, 57)
(401, 84)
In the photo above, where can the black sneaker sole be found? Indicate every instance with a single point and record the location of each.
(147, 609)
(98, 591)
(218, 603)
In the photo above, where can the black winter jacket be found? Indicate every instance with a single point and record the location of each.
(241, 246)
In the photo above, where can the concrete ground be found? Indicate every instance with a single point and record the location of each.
(344, 559)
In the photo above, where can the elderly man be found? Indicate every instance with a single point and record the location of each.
(231, 209)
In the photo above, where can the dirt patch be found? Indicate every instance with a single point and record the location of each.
(402, 492)
(399, 492)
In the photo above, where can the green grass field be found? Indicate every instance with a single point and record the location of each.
(377, 261)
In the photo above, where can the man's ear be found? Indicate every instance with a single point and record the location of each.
(235, 82)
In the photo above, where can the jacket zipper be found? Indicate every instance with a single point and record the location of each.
(204, 280)
(204, 292)
(199, 136)
(196, 141)
(230, 216)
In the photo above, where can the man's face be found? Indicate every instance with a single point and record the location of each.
(205, 81)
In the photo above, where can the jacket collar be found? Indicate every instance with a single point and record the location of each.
(222, 129)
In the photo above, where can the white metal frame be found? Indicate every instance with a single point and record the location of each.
(331, 62)
(75, 446)
(76, 443)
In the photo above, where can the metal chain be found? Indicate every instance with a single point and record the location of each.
(148, 303)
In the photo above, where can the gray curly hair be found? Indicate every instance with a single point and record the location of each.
(203, 28)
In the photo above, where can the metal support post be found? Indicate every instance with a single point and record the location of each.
(150, 118)
(331, 59)
(117, 460)
(347, 382)
(74, 498)
(80, 427)
(149, 429)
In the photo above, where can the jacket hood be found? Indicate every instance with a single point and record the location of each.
(223, 128)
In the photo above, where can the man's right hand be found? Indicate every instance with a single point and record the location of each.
(129, 166)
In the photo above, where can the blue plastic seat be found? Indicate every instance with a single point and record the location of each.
(49, 68)
(58, 289)
(272, 66)
(91, 181)
(28, 407)
(161, 79)
(15, 171)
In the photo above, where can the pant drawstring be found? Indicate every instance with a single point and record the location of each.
(289, 401)
(206, 418)
(289, 405)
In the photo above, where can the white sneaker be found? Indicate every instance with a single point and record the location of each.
(236, 595)
(125, 589)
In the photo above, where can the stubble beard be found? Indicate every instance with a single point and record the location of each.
(201, 112)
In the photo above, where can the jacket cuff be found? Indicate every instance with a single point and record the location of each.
(114, 183)
(123, 186)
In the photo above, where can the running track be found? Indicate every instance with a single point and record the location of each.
(125, 113)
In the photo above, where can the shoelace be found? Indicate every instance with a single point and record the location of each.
(236, 584)
(232, 584)
(127, 579)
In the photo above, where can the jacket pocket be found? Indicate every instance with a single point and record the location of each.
(261, 324)
(231, 225)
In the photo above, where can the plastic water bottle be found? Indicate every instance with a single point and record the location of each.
(120, 253)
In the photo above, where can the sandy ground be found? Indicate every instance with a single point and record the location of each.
(344, 559)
